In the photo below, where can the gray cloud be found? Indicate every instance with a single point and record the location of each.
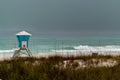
(60, 17)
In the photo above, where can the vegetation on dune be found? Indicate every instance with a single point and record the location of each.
(45, 69)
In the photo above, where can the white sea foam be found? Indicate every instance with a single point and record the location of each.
(6, 51)
(99, 49)
(111, 49)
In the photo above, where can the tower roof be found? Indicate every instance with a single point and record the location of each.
(23, 33)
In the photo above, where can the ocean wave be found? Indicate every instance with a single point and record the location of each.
(91, 49)
(6, 51)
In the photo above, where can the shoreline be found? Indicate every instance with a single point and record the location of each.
(9, 56)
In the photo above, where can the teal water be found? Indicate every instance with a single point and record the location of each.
(47, 44)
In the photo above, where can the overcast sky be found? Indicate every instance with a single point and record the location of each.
(61, 17)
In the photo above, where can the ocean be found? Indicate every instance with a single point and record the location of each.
(64, 45)
(75, 45)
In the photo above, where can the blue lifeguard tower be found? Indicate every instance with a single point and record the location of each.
(23, 40)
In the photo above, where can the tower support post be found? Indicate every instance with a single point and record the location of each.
(18, 52)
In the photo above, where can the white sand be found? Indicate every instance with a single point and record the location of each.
(4, 56)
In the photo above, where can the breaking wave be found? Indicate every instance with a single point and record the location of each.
(6, 51)
(91, 49)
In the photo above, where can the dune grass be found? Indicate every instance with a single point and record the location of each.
(44, 69)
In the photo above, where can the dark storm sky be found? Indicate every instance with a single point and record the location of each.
(60, 17)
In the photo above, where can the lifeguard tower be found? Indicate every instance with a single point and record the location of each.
(23, 40)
